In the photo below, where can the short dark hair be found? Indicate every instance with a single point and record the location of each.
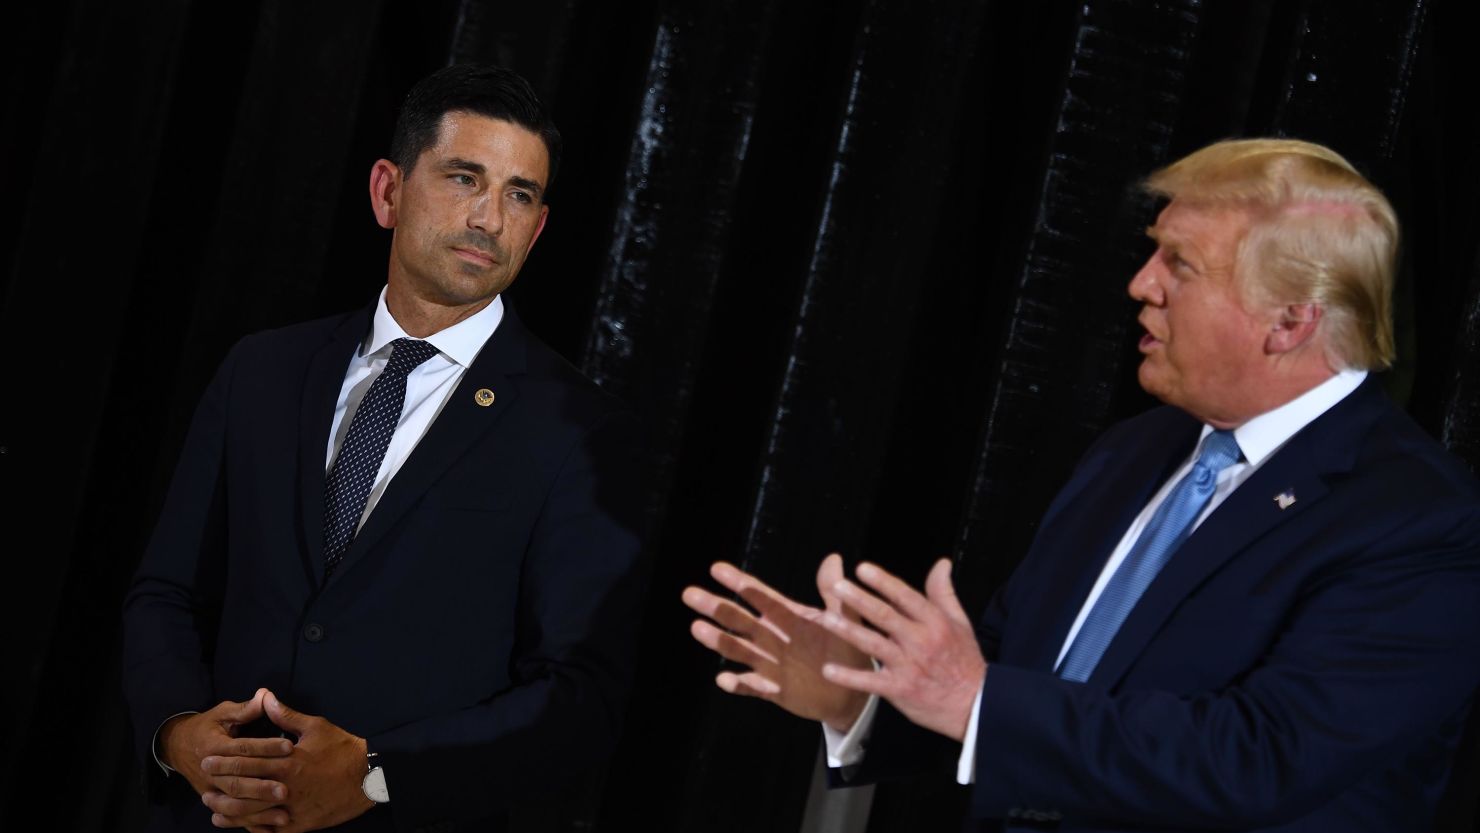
(480, 89)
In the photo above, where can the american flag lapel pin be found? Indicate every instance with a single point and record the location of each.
(1285, 499)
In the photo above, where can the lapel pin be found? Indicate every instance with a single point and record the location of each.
(1285, 499)
(483, 397)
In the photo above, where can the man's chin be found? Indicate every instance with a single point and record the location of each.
(1151, 381)
(472, 289)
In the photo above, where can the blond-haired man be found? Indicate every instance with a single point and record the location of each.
(1253, 609)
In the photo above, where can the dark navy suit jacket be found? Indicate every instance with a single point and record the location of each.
(1305, 668)
(480, 631)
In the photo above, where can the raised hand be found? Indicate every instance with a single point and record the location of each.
(931, 665)
(785, 646)
(188, 741)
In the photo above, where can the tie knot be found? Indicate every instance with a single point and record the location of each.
(1219, 451)
(407, 354)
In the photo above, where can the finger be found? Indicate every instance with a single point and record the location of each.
(737, 580)
(250, 789)
(218, 820)
(262, 777)
(829, 573)
(724, 611)
(779, 616)
(286, 718)
(251, 748)
(730, 646)
(942, 592)
(865, 639)
(869, 682)
(905, 598)
(243, 712)
(237, 810)
(233, 807)
(748, 684)
(700, 600)
(875, 610)
(250, 767)
(734, 617)
(737, 619)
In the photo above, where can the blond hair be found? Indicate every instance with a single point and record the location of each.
(1319, 233)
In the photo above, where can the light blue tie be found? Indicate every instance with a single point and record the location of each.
(1168, 528)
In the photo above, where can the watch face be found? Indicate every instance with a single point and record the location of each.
(374, 786)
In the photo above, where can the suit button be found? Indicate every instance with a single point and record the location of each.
(313, 632)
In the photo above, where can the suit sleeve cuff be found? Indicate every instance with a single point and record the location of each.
(154, 745)
(966, 764)
(847, 749)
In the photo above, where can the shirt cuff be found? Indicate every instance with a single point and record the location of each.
(966, 764)
(846, 749)
(154, 744)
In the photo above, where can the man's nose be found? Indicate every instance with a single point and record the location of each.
(485, 215)
(1146, 285)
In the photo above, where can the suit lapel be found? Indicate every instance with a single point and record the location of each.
(462, 421)
(1325, 447)
(1115, 491)
(321, 388)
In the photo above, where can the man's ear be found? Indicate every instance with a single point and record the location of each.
(385, 191)
(1295, 328)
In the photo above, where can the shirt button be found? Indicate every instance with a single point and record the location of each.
(313, 632)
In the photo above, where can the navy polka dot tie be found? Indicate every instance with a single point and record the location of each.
(375, 420)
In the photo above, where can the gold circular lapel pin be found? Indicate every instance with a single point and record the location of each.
(483, 397)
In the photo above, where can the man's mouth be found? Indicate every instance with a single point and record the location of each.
(475, 256)
(1148, 340)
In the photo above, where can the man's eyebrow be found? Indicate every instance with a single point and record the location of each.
(456, 164)
(527, 184)
(1162, 238)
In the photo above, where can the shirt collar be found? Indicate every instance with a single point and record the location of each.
(1264, 434)
(460, 342)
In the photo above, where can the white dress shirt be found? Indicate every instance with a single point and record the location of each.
(428, 387)
(1258, 439)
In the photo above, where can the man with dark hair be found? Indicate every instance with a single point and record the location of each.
(470, 88)
(415, 521)
(1254, 608)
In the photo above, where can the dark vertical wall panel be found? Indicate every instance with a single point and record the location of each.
(1059, 368)
(1053, 375)
(861, 265)
(1334, 51)
(674, 218)
(828, 425)
(94, 164)
(282, 176)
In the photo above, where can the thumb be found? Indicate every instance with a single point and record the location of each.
(247, 710)
(283, 717)
(938, 589)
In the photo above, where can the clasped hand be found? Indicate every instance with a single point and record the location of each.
(815, 662)
(269, 785)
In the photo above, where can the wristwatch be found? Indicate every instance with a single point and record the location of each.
(374, 781)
